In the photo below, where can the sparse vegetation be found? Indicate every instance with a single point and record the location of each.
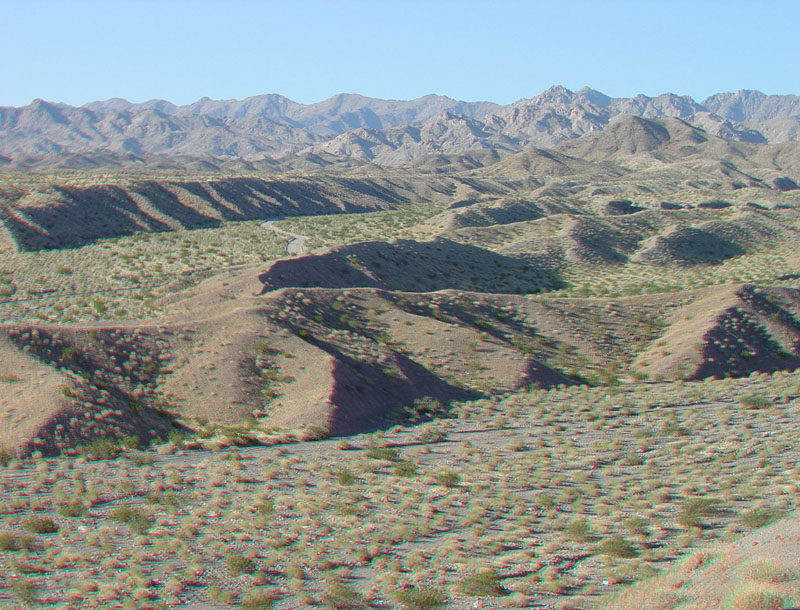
(606, 395)
(485, 583)
(41, 525)
(420, 598)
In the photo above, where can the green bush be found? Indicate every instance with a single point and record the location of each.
(694, 511)
(485, 583)
(617, 546)
(420, 598)
(389, 454)
(135, 518)
(755, 401)
(41, 525)
(237, 564)
(342, 597)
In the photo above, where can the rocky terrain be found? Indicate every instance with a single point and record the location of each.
(442, 354)
(259, 132)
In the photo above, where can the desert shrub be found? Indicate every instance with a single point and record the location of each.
(429, 434)
(759, 517)
(263, 348)
(546, 501)
(420, 598)
(694, 511)
(696, 561)
(344, 476)
(747, 598)
(24, 591)
(485, 583)
(770, 571)
(74, 510)
(100, 449)
(448, 478)
(5, 458)
(342, 597)
(389, 454)
(238, 564)
(141, 459)
(617, 546)
(427, 407)
(579, 529)
(41, 525)
(405, 469)
(636, 525)
(135, 518)
(755, 401)
(517, 445)
(130, 442)
(177, 437)
(9, 542)
(257, 601)
(316, 433)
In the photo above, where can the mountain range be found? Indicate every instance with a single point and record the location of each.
(261, 129)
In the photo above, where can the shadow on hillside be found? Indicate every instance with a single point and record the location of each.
(84, 214)
(366, 398)
(412, 266)
(738, 346)
(92, 357)
(690, 246)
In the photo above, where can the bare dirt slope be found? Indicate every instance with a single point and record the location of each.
(64, 211)
(339, 361)
(758, 571)
(729, 331)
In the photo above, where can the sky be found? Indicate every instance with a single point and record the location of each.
(76, 51)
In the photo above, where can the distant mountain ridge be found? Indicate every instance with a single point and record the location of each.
(333, 116)
(387, 132)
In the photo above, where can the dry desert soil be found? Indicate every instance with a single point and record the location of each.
(555, 378)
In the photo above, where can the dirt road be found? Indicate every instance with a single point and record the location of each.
(297, 245)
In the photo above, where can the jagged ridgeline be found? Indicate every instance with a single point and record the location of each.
(270, 132)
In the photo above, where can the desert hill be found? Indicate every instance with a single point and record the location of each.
(339, 361)
(649, 163)
(474, 291)
(62, 213)
(372, 353)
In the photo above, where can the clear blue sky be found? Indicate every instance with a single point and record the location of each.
(75, 51)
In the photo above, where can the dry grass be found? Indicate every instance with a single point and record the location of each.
(302, 513)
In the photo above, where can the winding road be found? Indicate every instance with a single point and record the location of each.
(297, 245)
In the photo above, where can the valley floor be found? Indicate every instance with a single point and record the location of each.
(542, 499)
